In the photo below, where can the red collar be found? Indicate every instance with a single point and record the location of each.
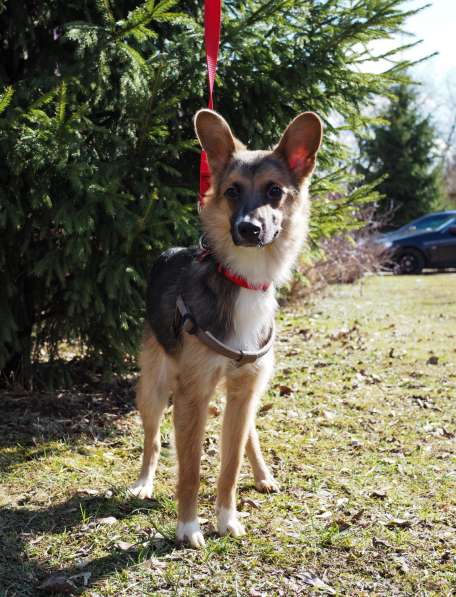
(205, 252)
(240, 281)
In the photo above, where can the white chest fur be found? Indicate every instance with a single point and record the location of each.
(253, 312)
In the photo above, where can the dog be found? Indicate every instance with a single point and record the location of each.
(210, 312)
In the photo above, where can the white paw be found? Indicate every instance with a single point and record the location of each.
(227, 522)
(143, 489)
(268, 485)
(190, 532)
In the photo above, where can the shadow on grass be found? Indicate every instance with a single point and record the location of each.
(30, 421)
(21, 574)
(29, 424)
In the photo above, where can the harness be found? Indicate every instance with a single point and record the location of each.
(191, 327)
(242, 357)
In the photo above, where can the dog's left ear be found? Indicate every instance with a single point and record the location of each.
(300, 143)
(215, 137)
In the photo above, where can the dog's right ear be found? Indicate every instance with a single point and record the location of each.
(215, 137)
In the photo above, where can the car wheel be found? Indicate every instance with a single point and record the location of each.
(410, 262)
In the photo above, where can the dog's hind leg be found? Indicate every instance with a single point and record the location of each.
(264, 481)
(152, 393)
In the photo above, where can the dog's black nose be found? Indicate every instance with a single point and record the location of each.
(249, 232)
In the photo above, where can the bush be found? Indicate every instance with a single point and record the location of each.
(98, 162)
(344, 260)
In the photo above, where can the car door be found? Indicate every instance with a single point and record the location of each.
(442, 249)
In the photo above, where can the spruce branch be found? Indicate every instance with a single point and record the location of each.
(6, 97)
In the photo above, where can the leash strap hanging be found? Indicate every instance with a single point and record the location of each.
(212, 23)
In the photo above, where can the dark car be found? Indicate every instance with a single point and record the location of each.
(428, 242)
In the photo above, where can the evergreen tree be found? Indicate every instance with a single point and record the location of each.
(98, 160)
(402, 153)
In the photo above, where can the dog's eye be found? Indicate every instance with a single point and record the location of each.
(275, 192)
(232, 192)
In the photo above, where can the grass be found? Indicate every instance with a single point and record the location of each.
(359, 427)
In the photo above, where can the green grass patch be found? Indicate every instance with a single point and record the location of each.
(360, 435)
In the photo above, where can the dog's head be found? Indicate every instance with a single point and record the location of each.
(254, 194)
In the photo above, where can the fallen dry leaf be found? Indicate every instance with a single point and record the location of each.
(340, 334)
(329, 415)
(325, 515)
(123, 545)
(311, 579)
(380, 543)
(285, 390)
(154, 564)
(108, 520)
(89, 491)
(214, 411)
(249, 502)
(447, 434)
(341, 523)
(357, 515)
(402, 564)
(57, 583)
(306, 333)
(85, 576)
(265, 408)
(403, 523)
(379, 493)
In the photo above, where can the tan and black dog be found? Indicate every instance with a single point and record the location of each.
(206, 308)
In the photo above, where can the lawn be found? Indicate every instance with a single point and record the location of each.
(358, 426)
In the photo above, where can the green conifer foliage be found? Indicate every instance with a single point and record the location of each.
(402, 153)
(98, 160)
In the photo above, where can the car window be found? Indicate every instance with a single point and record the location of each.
(430, 223)
(450, 224)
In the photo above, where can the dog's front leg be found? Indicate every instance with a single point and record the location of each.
(190, 413)
(244, 387)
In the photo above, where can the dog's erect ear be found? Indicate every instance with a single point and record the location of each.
(215, 137)
(300, 143)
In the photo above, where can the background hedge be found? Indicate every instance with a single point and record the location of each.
(98, 161)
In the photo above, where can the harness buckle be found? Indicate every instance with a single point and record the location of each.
(189, 324)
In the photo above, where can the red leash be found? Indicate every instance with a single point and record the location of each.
(212, 23)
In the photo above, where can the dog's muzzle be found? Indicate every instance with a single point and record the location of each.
(249, 232)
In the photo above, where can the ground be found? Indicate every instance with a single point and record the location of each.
(359, 427)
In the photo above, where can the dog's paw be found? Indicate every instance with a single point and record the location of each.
(143, 489)
(228, 523)
(190, 532)
(268, 485)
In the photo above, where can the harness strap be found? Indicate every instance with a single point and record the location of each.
(241, 357)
